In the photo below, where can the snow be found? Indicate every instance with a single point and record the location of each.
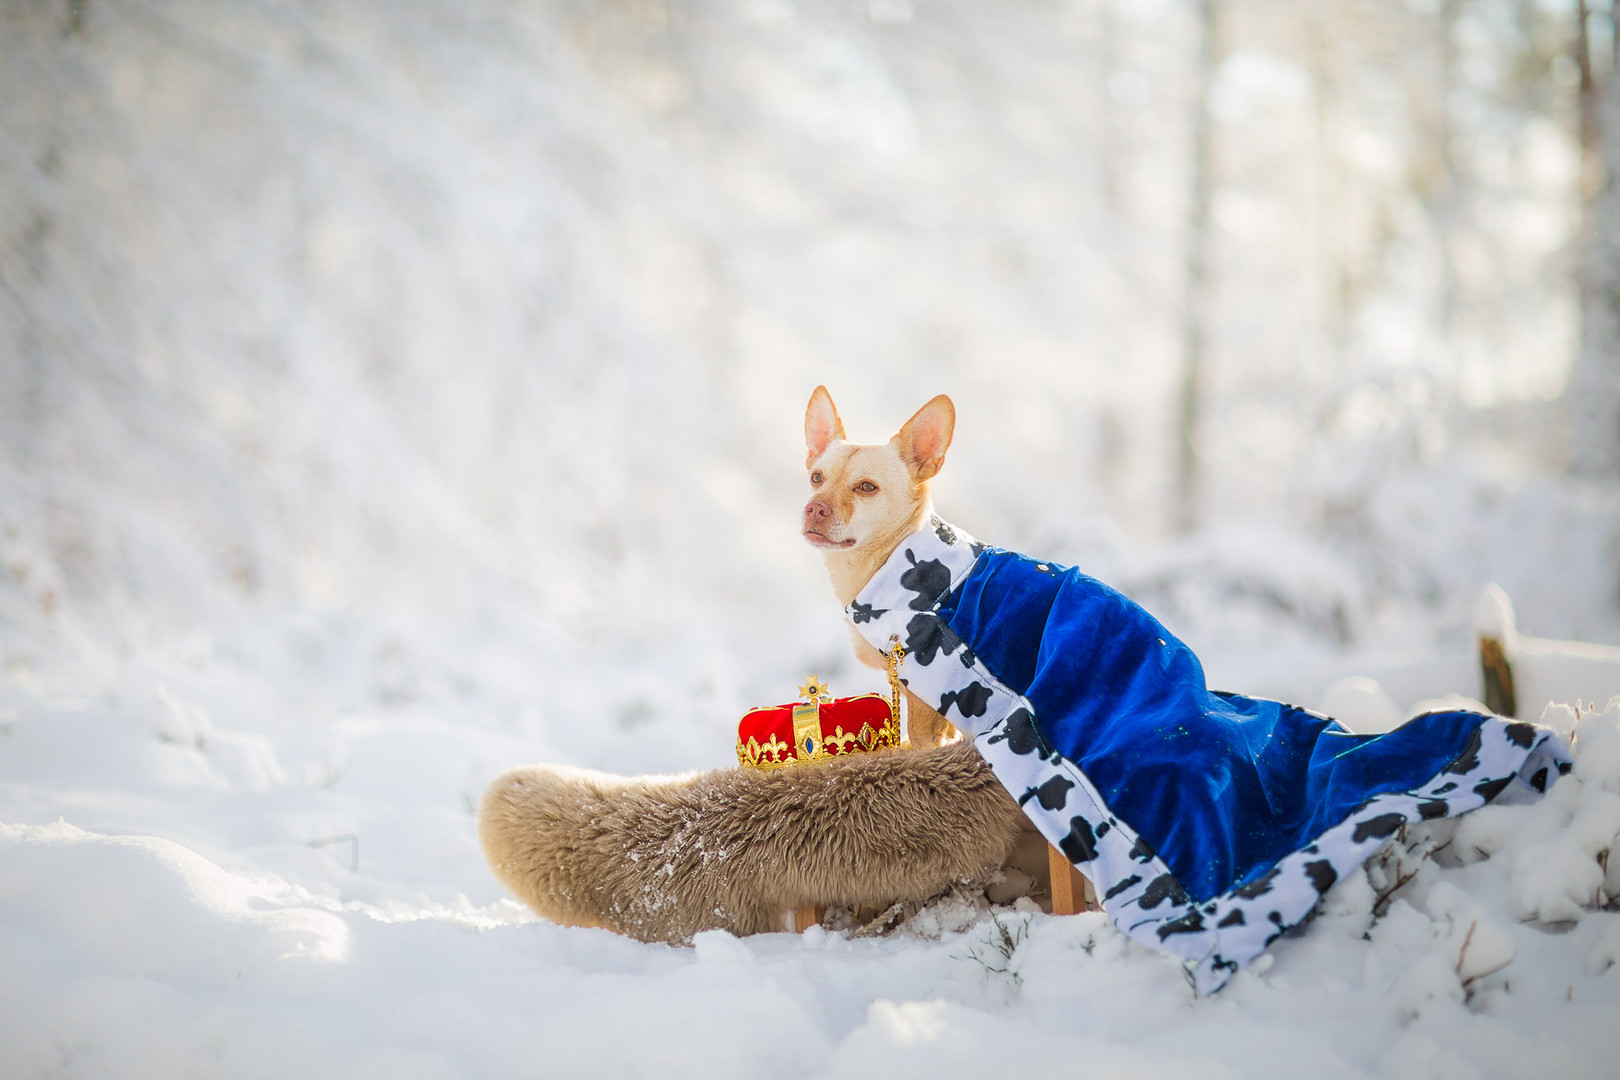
(393, 395)
(1360, 704)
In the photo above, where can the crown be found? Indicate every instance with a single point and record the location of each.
(819, 726)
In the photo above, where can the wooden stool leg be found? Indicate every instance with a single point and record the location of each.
(806, 917)
(1071, 892)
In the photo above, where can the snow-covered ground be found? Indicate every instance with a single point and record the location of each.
(192, 886)
(396, 394)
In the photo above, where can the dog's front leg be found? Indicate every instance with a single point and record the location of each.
(924, 725)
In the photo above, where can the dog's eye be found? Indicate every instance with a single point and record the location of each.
(866, 487)
(815, 478)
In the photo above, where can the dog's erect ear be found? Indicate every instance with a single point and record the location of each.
(926, 436)
(821, 423)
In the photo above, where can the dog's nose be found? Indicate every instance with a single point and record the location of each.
(816, 510)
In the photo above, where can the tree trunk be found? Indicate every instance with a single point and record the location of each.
(1594, 386)
(1448, 201)
(1195, 312)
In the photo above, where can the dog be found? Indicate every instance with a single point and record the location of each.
(866, 499)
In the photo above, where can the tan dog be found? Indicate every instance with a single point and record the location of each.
(865, 499)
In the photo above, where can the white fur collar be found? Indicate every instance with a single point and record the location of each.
(922, 570)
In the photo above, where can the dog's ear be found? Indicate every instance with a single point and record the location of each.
(821, 423)
(923, 440)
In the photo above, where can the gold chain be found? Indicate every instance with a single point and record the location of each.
(897, 653)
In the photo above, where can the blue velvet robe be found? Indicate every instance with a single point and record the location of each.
(1209, 823)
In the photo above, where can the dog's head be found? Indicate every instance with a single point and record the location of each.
(865, 498)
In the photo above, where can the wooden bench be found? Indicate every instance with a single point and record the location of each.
(1071, 890)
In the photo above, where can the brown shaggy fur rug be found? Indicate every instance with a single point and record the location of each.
(663, 857)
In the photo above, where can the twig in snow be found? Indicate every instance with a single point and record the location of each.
(1467, 940)
(1005, 942)
(1468, 983)
(884, 924)
(1381, 902)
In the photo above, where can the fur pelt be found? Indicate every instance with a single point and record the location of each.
(661, 858)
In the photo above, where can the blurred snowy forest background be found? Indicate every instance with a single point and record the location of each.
(453, 357)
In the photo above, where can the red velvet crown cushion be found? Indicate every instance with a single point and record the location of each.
(766, 736)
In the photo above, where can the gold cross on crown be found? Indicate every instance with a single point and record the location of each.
(814, 691)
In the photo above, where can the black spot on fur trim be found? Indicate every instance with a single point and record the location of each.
(1021, 734)
(1162, 888)
(1259, 886)
(1564, 767)
(1103, 827)
(1190, 923)
(969, 701)
(1121, 887)
(1448, 786)
(929, 579)
(1081, 844)
(865, 613)
(1297, 929)
(1052, 794)
(1539, 780)
(1490, 789)
(1520, 734)
(1467, 760)
(1429, 809)
(1379, 827)
(1141, 852)
(1234, 919)
(926, 635)
(1322, 875)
